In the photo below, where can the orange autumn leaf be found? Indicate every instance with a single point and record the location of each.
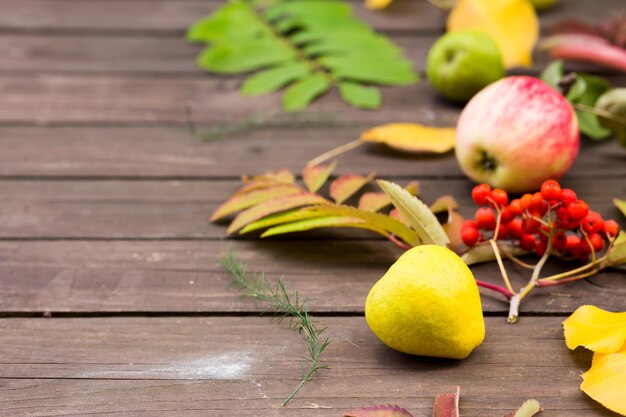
(605, 381)
(596, 329)
(282, 175)
(513, 24)
(242, 201)
(347, 185)
(413, 138)
(375, 201)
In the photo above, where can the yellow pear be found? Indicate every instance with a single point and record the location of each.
(427, 304)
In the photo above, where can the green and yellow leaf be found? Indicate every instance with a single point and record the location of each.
(319, 222)
(383, 221)
(413, 138)
(278, 218)
(374, 201)
(282, 176)
(274, 206)
(621, 205)
(419, 216)
(242, 201)
(596, 329)
(512, 23)
(316, 176)
(617, 254)
(347, 185)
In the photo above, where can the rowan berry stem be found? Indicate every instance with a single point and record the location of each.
(508, 294)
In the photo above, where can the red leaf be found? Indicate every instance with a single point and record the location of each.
(345, 186)
(275, 205)
(382, 410)
(586, 48)
(447, 405)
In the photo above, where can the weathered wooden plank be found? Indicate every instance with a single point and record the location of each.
(185, 276)
(207, 366)
(165, 56)
(173, 17)
(173, 152)
(151, 209)
(51, 99)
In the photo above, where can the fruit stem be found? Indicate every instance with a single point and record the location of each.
(505, 277)
(399, 243)
(515, 259)
(508, 294)
(542, 283)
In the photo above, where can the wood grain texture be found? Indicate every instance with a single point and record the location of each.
(174, 152)
(124, 209)
(167, 17)
(208, 366)
(113, 276)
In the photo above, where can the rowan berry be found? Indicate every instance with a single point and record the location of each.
(527, 242)
(469, 223)
(572, 245)
(577, 210)
(470, 236)
(536, 200)
(584, 246)
(540, 247)
(485, 218)
(500, 197)
(540, 210)
(551, 190)
(559, 241)
(506, 215)
(592, 223)
(480, 194)
(530, 225)
(515, 228)
(526, 201)
(611, 227)
(563, 221)
(516, 207)
(568, 196)
(597, 242)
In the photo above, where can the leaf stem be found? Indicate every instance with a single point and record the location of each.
(508, 294)
(334, 152)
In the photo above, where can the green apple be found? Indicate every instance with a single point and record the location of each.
(462, 63)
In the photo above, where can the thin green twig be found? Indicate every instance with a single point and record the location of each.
(279, 300)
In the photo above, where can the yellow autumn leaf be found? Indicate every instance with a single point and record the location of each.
(605, 381)
(512, 23)
(596, 329)
(377, 4)
(414, 138)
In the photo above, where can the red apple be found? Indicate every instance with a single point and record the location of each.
(516, 133)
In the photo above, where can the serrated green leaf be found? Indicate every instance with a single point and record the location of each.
(587, 90)
(553, 74)
(235, 20)
(320, 222)
(360, 96)
(273, 79)
(245, 56)
(273, 206)
(317, 10)
(612, 106)
(383, 221)
(484, 253)
(419, 216)
(278, 218)
(371, 69)
(240, 202)
(302, 93)
(316, 176)
(617, 255)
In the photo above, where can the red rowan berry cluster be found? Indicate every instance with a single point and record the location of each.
(551, 219)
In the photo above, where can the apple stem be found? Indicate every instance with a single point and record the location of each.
(508, 294)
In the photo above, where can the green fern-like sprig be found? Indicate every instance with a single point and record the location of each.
(307, 46)
(290, 306)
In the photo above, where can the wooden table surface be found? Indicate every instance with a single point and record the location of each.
(104, 201)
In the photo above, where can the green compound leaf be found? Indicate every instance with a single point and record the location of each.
(302, 93)
(310, 44)
(273, 79)
(360, 96)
